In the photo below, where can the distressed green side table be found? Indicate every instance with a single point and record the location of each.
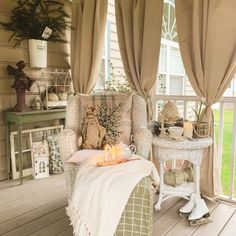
(21, 118)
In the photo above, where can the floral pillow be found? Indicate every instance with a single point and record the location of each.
(105, 119)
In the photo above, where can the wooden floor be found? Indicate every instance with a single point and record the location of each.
(38, 208)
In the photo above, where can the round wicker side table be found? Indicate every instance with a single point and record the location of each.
(165, 150)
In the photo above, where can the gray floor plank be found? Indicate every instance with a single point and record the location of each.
(38, 208)
(32, 215)
(38, 224)
(165, 206)
(230, 227)
(19, 208)
(67, 232)
(15, 191)
(55, 228)
(167, 220)
(11, 185)
(220, 217)
(183, 228)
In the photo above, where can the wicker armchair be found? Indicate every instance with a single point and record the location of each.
(68, 138)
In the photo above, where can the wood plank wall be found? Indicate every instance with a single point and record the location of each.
(58, 58)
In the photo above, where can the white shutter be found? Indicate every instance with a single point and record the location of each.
(176, 64)
(162, 60)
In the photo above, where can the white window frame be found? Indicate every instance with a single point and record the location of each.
(170, 44)
(106, 54)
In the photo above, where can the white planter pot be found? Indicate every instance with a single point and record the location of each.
(38, 53)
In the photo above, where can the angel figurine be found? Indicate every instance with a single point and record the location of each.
(21, 83)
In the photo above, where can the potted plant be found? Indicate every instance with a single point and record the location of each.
(201, 128)
(37, 21)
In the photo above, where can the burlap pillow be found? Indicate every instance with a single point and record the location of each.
(104, 119)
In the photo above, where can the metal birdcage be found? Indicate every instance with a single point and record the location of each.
(54, 88)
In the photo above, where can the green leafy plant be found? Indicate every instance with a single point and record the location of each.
(30, 17)
(117, 85)
(199, 112)
(109, 117)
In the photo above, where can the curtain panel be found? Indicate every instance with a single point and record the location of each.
(207, 37)
(139, 33)
(87, 39)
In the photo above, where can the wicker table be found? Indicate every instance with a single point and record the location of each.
(165, 150)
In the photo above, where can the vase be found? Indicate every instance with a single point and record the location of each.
(38, 53)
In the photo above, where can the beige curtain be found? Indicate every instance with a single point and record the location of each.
(139, 33)
(87, 39)
(207, 38)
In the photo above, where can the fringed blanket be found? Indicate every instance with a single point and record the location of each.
(101, 194)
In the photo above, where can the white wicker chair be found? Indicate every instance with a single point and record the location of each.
(68, 139)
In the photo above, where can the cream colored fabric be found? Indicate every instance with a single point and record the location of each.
(87, 38)
(96, 210)
(139, 34)
(207, 38)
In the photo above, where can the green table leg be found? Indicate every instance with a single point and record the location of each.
(19, 137)
(8, 150)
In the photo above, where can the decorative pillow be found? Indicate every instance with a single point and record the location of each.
(82, 155)
(105, 119)
(55, 160)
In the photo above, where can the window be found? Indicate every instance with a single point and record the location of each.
(171, 73)
(231, 90)
(104, 73)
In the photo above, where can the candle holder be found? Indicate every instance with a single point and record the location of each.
(113, 155)
(110, 163)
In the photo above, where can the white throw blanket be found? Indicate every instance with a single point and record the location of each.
(101, 194)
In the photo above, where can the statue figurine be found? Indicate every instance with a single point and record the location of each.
(21, 83)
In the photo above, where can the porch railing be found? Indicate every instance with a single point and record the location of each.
(185, 105)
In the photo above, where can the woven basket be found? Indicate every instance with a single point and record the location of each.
(201, 130)
(170, 112)
(175, 177)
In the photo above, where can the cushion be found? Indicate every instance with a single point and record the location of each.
(84, 154)
(105, 119)
(55, 160)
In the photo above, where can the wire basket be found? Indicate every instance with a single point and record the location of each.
(56, 87)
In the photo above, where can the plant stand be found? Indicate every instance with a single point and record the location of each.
(165, 150)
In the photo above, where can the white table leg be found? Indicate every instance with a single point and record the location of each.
(197, 179)
(157, 206)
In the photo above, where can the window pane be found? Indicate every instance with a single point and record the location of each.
(163, 60)
(176, 64)
(111, 65)
(231, 90)
(172, 79)
(176, 85)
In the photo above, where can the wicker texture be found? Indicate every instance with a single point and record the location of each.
(192, 151)
(143, 141)
(170, 112)
(201, 130)
(67, 142)
(68, 138)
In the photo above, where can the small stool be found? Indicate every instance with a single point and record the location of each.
(192, 151)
